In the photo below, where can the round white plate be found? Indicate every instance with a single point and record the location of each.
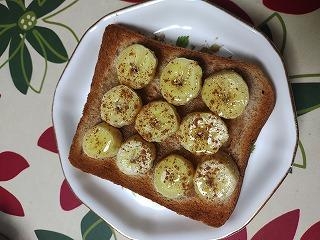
(139, 218)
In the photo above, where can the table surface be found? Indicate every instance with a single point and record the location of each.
(35, 199)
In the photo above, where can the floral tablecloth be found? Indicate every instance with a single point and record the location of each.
(37, 39)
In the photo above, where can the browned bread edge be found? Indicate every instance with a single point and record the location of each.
(243, 130)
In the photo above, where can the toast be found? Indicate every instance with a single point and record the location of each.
(243, 130)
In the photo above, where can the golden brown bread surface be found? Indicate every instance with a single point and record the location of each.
(243, 130)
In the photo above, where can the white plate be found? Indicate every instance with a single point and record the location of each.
(269, 163)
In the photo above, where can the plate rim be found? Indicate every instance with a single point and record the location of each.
(256, 30)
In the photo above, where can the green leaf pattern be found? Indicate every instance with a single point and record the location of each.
(5, 16)
(93, 227)
(307, 96)
(16, 7)
(47, 43)
(267, 30)
(18, 24)
(41, 2)
(4, 40)
(304, 157)
(44, 7)
(20, 64)
(50, 235)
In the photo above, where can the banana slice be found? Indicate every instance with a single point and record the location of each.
(180, 81)
(136, 66)
(173, 176)
(119, 106)
(102, 141)
(156, 121)
(226, 94)
(216, 178)
(135, 156)
(203, 133)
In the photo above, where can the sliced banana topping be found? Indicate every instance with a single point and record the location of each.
(136, 66)
(135, 156)
(180, 81)
(173, 176)
(102, 141)
(216, 178)
(226, 94)
(157, 121)
(120, 105)
(202, 133)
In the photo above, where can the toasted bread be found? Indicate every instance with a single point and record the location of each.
(243, 130)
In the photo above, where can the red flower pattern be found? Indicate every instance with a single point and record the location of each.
(47, 140)
(68, 200)
(283, 227)
(313, 233)
(292, 6)
(240, 235)
(10, 204)
(11, 164)
(234, 9)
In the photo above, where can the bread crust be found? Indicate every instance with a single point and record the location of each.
(243, 130)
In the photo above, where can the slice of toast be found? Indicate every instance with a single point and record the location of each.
(243, 130)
